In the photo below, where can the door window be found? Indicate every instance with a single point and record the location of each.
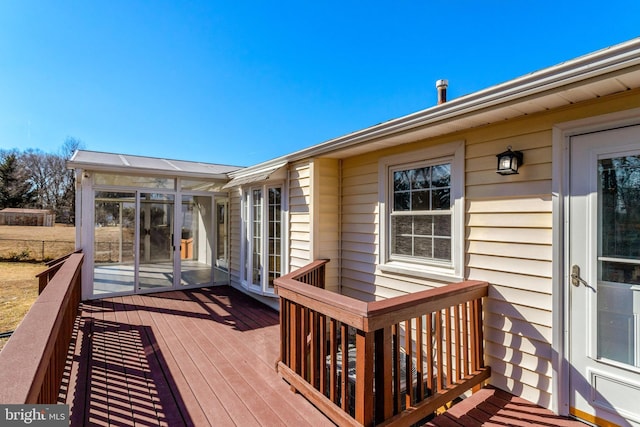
(619, 259)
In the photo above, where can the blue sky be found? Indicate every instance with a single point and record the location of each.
(238, 82)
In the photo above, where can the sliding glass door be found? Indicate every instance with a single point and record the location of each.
(114, 242)
(196, 236)
(148, 240)
(157, 246)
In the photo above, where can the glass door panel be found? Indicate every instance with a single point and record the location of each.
(114, 242)
(195, 241)
(156, 241)
(618, 313)
(221, 271)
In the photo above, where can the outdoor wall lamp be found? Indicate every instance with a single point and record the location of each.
(509, 162)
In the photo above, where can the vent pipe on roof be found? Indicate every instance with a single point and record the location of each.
(441, 85)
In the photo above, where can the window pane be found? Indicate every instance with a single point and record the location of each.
(442, 225)
(423, 247)
(442, 249)
(441, 175)
(401, 201)
(401, 225)
(419, 178)
(134, 181)
(440, 199)
(620, 197)
(423, 225)
(420, 200)
(402, 245)
(401, 181)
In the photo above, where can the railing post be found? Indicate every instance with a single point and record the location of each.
(383, 374)
(364, 377)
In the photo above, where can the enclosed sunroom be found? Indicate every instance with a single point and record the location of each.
(149, 224)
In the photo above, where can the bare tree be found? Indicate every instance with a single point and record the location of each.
(51, 181)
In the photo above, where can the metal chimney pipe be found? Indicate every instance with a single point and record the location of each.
(442, 85)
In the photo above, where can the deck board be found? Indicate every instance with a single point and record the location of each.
(494, 407)
(181, 358)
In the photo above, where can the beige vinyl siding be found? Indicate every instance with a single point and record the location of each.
(326, 218)
(509, 244)
(359, 226)
(299, 215)
(235, 234)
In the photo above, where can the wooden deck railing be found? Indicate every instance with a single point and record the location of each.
(390, 362)
(53, 266)
(33, 360)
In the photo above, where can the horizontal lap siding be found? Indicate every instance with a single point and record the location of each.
(359, 227)
(360, 240)
(299, 215)
(235, 234)
(509, 244)
(326, 218)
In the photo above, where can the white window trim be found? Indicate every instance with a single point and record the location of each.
(453, 152)
(246, 282)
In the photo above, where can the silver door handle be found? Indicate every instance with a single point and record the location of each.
(576, 280)
(575, 275)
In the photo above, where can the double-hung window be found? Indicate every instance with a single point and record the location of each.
(421, 225)
(421, 213)
(263, 237)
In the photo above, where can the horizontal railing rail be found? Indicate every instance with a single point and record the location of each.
(33, 360)
(53, 266)
(389, 362)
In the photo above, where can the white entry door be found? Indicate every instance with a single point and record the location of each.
(604, 282)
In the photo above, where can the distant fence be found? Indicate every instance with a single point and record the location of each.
(34, 250)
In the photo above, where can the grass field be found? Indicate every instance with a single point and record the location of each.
(18, 285)
(22, 243)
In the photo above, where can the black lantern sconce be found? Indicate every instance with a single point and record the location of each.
(509, 162)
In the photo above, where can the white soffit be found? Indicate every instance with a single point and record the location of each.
(264, 174)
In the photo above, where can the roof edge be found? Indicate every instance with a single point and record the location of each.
(596, 64)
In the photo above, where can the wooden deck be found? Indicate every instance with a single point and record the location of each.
(184, 358)
(493, 407)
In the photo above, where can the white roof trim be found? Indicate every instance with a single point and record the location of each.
(263, 174)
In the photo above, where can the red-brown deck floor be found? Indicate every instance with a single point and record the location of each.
(493, 407)
(184, 358)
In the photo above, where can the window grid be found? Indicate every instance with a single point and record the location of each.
(275, 235)
(257, 236)
(421, 216)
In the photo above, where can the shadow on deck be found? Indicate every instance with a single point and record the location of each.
(199, 357)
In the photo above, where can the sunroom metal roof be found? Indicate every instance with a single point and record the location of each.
(125, 163)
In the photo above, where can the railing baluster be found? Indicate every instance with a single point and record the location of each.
(333, 371)
(397, 403)
(419, 363)
(458, 340)
(430, 349)
(449, 345)
(465, 340)
(322, 368)
(409, 399)
(439, 351)
(344, 371)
